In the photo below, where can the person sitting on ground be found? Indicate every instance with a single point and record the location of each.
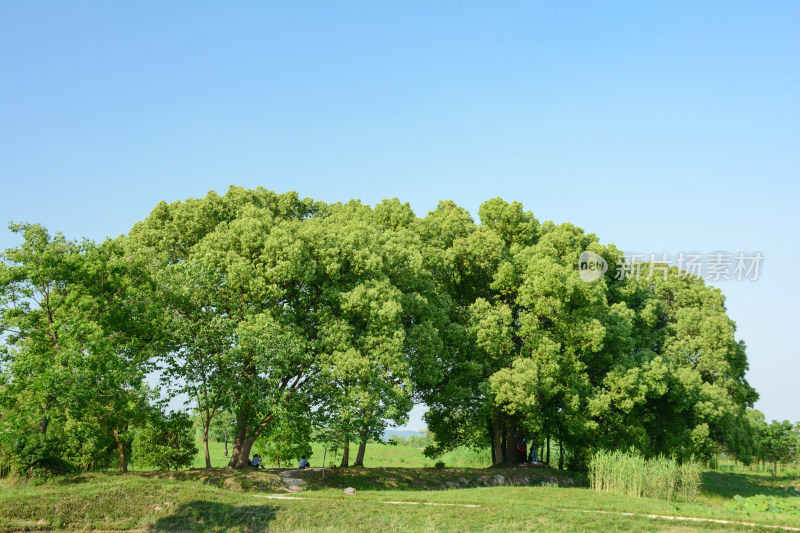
(304, 463)
(256, 462)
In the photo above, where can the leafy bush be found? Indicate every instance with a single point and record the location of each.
(773, 504)
(287, 439)
(632, 474)
(167, 442)
(89, 446)
(37, 457)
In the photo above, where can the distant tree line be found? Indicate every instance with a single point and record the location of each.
(297, 319)
(775, 443)
(413, 441)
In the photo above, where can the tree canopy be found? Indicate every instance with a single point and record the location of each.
(294, 319)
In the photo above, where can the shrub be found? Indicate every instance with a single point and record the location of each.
(286, 440)
(167, 442)
(35, 456)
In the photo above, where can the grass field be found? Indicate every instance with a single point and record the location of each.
(395, 491)
(244, 501)
(376, 455)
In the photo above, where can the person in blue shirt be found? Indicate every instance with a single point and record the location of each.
(256, 462)
(534, 457)
(304, 463)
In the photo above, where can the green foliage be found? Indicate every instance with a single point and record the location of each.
(779, 442)
(223, 426)
(632, 474)
(789, 505)
(274, 309)
(38, 457)
(75, 347)
(286, 441)
(166, 442)
(414, 441)
(278, 304)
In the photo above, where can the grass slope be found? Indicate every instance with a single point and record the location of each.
(242, 501)
(498, 499)
(388, 478)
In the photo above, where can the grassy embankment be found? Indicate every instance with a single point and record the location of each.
(220, 500)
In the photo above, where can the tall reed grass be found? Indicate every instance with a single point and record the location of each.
(632, 474)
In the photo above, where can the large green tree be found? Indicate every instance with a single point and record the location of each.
(76, 329)
(533, 349)
(286, 312)
(477, 328)
(316, 301)
(687, 393)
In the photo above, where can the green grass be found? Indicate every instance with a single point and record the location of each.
(724, 464)
(415, 479)
(377, 455)
(222, 500)
(722, 485)
(159, 502)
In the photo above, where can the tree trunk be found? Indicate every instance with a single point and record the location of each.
(346, 453)
(45, 419)
(498, 447)
(490, 432)
(240, 457)
(242, 444)
(560, 455)
(503, 457)
(226, 446)
(123, 463)
(238, 441)
(511, 451)
(548, 450)
(362, 448)
(774, 469)
(244, 454)
(205, 446)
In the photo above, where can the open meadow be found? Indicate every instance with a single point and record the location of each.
(376, 455)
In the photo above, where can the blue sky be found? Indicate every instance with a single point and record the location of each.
(659, 126)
